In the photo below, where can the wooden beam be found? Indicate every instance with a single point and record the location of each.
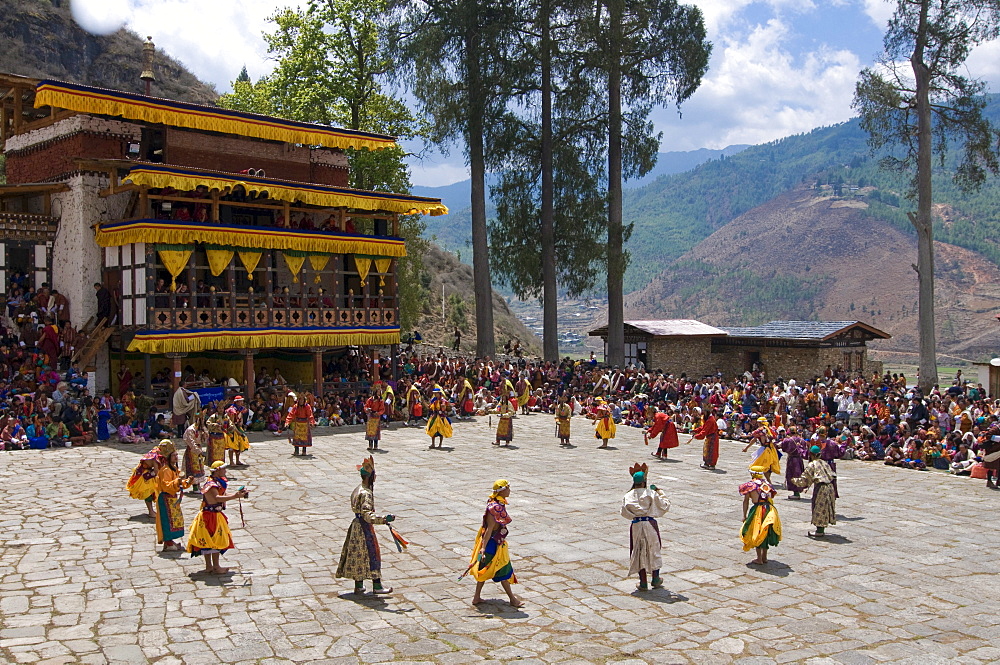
(18, 99)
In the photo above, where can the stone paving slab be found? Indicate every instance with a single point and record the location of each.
(908, 574)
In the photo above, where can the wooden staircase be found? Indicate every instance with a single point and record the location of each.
(97, 336)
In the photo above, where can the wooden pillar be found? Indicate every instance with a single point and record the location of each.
(175, 371)
(317, 371)
(249, 377)
(376, 373)
(395, 362)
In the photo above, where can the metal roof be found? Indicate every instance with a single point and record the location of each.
(805, 330)
(668, 328)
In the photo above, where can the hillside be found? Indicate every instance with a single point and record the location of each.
(808, 254)
(42, 41)
(444, 269)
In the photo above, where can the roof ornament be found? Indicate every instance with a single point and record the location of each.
(148, 50)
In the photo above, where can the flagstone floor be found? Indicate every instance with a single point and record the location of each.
(909, 574)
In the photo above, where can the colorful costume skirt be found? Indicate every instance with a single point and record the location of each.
(209, 533)
(301, 434)
(605, 428)
(710, 450)
(563, 428)
(238, 441)
(361, 558)
(505, 429)
(495, 564)
(824, 510)
(761, 528)
(216, 447)
(373, 429)
(169, 518)
(439, 425)
(194, 464)
(141, 488)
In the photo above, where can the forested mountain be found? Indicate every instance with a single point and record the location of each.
(675, 212)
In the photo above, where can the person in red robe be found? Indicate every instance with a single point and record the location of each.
(49, 343)
(709, 431)
(665, 427)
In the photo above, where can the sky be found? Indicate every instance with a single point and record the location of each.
(778, 67)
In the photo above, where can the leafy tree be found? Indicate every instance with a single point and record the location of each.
(548, 192)
(331, 61)
(457, 54)
(644, 52)
(918, 101)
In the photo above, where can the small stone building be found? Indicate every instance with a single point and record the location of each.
(789, 349)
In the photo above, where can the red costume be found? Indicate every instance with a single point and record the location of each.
(665, 427)
(710, 432)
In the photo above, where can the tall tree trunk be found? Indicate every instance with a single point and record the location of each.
(615, 354)
(485, 342)
(550, 316)
(923, 221)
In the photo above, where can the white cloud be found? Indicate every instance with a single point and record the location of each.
(213, 39)
(757, 91)
(879, 11)
(101, 17)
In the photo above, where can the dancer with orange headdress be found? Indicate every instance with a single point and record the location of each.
(361, 558)
(761, 523)
(300, 420)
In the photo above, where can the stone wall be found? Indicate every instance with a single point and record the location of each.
(678, 354)
(55, 159)
(801, 364)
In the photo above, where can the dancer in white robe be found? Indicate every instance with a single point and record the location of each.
(643, 505)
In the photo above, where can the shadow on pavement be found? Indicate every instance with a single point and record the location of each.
(664, 596)
(775, 568)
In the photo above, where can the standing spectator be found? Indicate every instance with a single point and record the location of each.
(104, 304)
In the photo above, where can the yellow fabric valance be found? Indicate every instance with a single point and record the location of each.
(116, 234)
(363, 264)
(187, 179)
(223, 339)
(218, 260)
(294, 263)
(318, 262)
(87, 99)
(174, 259)
(250, 259)
(382, 266)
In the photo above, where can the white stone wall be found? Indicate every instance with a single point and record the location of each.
(76, 258)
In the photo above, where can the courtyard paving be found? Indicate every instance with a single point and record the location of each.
(910, 573)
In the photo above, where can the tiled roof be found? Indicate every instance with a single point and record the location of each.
(816, 330)
(669, 328)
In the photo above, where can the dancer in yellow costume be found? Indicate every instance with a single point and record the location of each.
(490, 559)
(604, 425)
(438, 422)
(765, 458)
(505, 423)
(761, 524)
(564, 412)
(142, 483)
(236, 438)
(523, 390)
(210, 535)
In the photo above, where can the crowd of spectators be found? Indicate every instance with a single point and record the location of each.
(44, 400)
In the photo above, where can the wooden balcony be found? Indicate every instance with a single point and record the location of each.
(219, 310)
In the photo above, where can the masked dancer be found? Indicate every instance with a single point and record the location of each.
(210, 536)
(643, 505)
(820, 476)
(761, 524)
(361, 558)
(300, 422)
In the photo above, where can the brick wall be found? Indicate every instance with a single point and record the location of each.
(54, 159)
(323, 174)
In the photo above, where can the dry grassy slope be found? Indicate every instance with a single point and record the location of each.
(445, 269)
(850, 258)
(43, 41)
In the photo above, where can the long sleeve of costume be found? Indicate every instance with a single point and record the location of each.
(167, 480)
(645, 503)
(708, 428)
(364, 505)
(659, 425)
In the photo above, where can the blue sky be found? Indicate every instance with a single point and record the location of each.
(778, 67)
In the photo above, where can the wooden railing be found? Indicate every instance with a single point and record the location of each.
(218, 310)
